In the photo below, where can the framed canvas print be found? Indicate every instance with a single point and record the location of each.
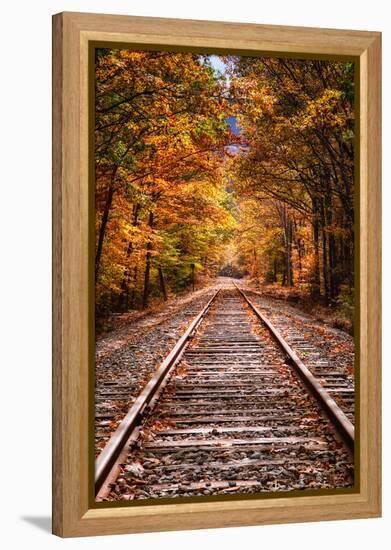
(216, 215)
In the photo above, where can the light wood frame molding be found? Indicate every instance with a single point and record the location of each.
(72, 32)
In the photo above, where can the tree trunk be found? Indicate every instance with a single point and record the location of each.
(325, 266)
(328, 208)
(124, 295)
(334, 279)
(298, 243)
(102, 228)
(147, 265)
(275, 270)
(348, 244)
(133, 295)
(299, 258)
(287, 227)
(162, 283)
(315, 286)
(289, 258)
(193, 276)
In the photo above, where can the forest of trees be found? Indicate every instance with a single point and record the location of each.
(245, 168)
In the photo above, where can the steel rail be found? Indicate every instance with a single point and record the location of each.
(333, 411)
(107, 459)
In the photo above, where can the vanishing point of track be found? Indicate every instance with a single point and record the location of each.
(232, 409)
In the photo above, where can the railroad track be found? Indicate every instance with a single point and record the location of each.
(128, 367)
(337, 378)
(232, 409)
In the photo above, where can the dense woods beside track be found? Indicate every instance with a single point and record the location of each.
(233, 165)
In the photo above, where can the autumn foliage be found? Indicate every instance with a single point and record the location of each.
(180, 192)
(295, 176)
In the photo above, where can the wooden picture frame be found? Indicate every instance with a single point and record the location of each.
(73, 514)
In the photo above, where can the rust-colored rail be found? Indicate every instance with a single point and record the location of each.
(218, 345)
(128, 428)
(336, 415)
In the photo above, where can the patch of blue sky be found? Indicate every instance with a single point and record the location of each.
(218, 64)
(233, 126)
(234, 149)
(219, 67)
